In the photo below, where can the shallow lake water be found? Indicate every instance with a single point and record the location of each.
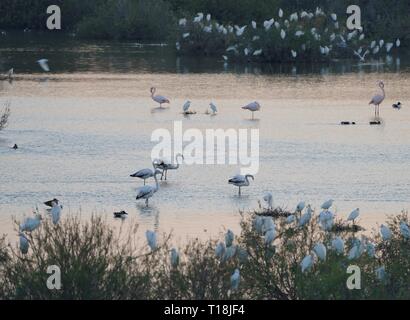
(86, 126)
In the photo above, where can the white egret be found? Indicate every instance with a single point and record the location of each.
(258, 224)
(282, 34)
(269, 237)
(290, 219)
(326, 220)
(174, 258)
(256, 38)
(294, 17)
(286, 23)
(151, 239)
(246, 51)
(158, 98)
(24, 243)
(257, 52)
(294, 54)
(404, 229)
(277, 25)
(208, 17)
(372, 44)
(376, 50)
(268, 24)
(398, 43)
(332, 37)
(241, 181)
(208, 29)
(185, 35)
(31, 224)
(229, 238)
(240, 30)
(165, 166)
(301, 205)
(354, 252)
(268, 198)
(389, 46)
(235, 279)
(320, 251)
(378, 99)
(371, 249)
(280, 13)
(361, 56)
(198, 18)
(299, 33)
(338, 245)
(230, 252)
(381, 273)
(253, 107)
(177, 45)
(304, 14)
(385, 232)
(307, 263)
(354, 215)
(306, 217)
(254, 24)
(327, 205)
(268, 224)
(361, 38)
(44, 64)
(381, 43)
(220, 250)
(55, 213)
(146, 192)
(182, 22)
(334, 17)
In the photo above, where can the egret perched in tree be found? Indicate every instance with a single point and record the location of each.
(404, 229)
(146, 192)
(282, 34)
(174, 258)
(268, 224)
(354, 252)
(381, 273)
(31, 224)
(258, 224)
(235, 279)
(182, 22)
(268, 198)
(306, 217)
(220, 250)
(327, 205)
(158, 98)
(326, 220)
(307, 263)
(43, 63)
(269, 237)
(230, 252)
(371, 249)
(320, 251)
(240, 30)
(294, 54)
(185, 35)
(241, 181)
(354, 215)
(24, 244)
(253, 106)
(398, 43)
(257, 52)
(301, 205)
(290, 219)
(151, 239)
(334, 17)
(229, 238)
(254, 24)
(338, 245)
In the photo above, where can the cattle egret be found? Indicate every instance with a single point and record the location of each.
(268, 224)
(290, 219)
(338, 245)
(404, 229)
(398, 43)
(151, 239)
(254, 24)
(280, 13)
(354, 215)
(55, 213)
(235, 279)
(268, 198)
(282, 34)
(307, 263)
(24, 244)
(301, 205)
(320, 251)
(327, 205)
(174, 258)
(31, 224)
(220, 250)
(229, 238)
(269, 237)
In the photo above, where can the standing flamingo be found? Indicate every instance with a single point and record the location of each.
(164, 166)
(144, 174)
(254, 106)
(378, 99)
(241, 181)
(158, 98)
(147, 192)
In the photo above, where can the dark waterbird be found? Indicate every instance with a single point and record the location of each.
(50, 202)
(120, 215)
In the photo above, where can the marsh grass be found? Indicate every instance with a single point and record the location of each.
(98, 261)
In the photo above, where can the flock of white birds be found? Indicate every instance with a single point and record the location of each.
(299, 33)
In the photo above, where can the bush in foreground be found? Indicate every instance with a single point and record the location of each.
(99, 262)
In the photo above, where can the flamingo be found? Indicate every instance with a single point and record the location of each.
(144, 174)
(160, 164)
(241, 181)
(147, 192)
(158, 98)
(253, 106)
(378, 99)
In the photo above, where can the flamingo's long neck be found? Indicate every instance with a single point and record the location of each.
(153, 92)
(383, 92)
(178, 161)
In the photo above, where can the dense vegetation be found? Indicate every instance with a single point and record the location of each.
(156, 20)
(98, 262)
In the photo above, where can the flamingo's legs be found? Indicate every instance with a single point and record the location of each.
(239, 191)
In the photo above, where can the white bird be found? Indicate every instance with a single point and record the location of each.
(294, 17)
(354, 252)
(332, 37)
(146, 192)
(198, 18)
(398, 43)
(294, 54)
(151, 239)
(24, 243)
(381, 43)
(253, 107)
(185, 35)
(208, 29)
(241, 181)
(258, 224)
(56, 213)
(254, 24)
(269, 237)
(220, 250)
(268, 224)
(165, 166)
(282, 34)
(361, 37)
(381, 273)
(372, 44)
(246, 51)
(277, 25)
(235, 279)
(327, 204)
(182, 22)
(290, 219)
(174, 258)
(299, 33)
(230, 252)
(404, 229)
(378, 99)
(31, 224)
(307, 263)
(257, 52)
(376, 50)
(361, 56)
(208, 17)
(334, 17)
(301, 205)
(240, 30)
(158, 98)
(229, 238)
(320, 251)
(268, 24)
(306, 217)
(143, 174)
(280, 13)
(389, 46)
(213, 108)
(268, 198)
(385, 232)
(304, 14)
(326, 220)
(256, 38)
(371, 249)
(44, 64)
(338, 245)
(354, 215)
(177, 45)
(186, 106)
